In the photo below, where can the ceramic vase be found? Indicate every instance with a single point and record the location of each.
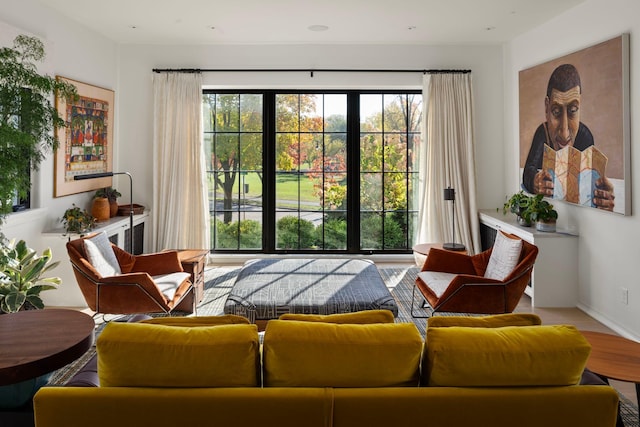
(113, 208)
(100, 209)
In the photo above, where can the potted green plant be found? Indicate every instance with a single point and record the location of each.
(20, 276)
(542, 213)
(77, 220)
(112, 195)
(28, 117)
(518, 204)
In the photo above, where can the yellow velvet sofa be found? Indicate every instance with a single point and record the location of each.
(358, 370)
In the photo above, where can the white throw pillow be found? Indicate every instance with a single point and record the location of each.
(504, 256)
(101, 256)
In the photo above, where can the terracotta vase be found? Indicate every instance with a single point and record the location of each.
(113, 207)
(100, 209)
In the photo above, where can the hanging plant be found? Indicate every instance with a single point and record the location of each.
(28, 117)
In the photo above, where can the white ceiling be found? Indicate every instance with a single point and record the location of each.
(427, 22)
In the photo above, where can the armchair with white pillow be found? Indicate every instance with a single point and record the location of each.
(490, 282)
(114, 281)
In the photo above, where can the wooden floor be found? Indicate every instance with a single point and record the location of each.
(581, 320)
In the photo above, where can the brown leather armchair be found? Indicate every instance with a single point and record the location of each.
(464, 289)
(147, 283)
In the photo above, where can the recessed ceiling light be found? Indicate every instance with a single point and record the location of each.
(411, 27)
(133, 27)
(490, 28)
(317, 28)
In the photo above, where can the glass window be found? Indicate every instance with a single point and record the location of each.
(320, 180)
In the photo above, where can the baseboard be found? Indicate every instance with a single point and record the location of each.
(609, 323)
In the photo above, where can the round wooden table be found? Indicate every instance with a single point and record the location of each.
(614, 357)
(36, 342)
(421, 251)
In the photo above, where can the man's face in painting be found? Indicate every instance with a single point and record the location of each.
(563, 117)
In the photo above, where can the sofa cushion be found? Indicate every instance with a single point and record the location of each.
(509, 356)
(438, 281)
(357, 317)
(227, 319)
(101, 256)
(504, 256)
(148, 355)
(169, 283)
(315, 354)
(494, 321)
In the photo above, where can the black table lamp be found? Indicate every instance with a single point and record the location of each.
(450, 194)
(106, 174)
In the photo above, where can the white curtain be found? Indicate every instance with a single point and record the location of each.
(448, 161)
(180, 206)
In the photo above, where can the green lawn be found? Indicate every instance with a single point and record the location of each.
(286, 187)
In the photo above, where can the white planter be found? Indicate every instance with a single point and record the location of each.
(546, 226)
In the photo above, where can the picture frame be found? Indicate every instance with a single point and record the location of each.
(86, 142)
(599, 155)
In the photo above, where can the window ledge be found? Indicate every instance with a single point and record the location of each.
(16, 219)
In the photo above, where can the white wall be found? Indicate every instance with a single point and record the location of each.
(609, 248)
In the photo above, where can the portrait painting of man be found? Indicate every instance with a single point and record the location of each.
(574, 127)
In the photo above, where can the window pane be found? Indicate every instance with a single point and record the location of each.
(333, 231)
(395, 153)
(287, 152)
(225, 151)
(208, 111)
(311, 111)
(370, 191)
(413, 228)
(227, 113)
(251, 151)
(287, 113)
(371, 113)
(335, 113)
(370, 152)
(414, 152)
(370, 231)
(395, 113)
(287, 190)
(395, 230)
(294, 232)
(395, 191)
(311, 151)
(310, 192)
(226, 230)
(251, 113)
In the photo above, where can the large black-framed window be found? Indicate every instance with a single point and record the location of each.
(322, 171)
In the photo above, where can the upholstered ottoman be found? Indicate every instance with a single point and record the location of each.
(267, 288)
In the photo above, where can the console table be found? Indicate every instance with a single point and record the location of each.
(554, 282)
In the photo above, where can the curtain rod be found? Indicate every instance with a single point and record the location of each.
(300, 70)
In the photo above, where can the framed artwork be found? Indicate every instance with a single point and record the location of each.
(574, 127)
(86, 143)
